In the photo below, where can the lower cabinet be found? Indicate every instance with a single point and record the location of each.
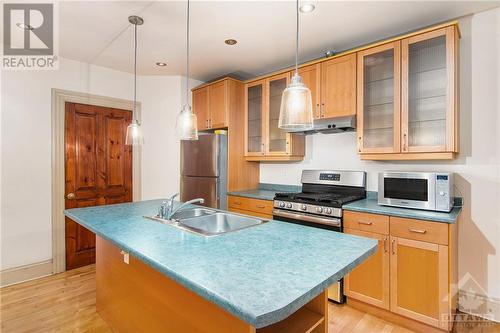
(249, 206)
(412, 276)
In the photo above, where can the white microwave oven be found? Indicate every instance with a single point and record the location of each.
(418, 190)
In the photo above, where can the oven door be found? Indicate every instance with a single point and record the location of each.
(407, 189)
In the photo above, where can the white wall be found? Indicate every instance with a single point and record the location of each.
(477, 168)
(26, 147)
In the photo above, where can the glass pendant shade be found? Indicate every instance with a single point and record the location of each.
(134, 134)
(186, 125)
(296, 113)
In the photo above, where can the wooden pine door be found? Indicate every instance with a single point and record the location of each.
(311, 76)
(217, 104)
(98, 170)
(200, 107)
(338, 87)
(369, 282)
(419, 281)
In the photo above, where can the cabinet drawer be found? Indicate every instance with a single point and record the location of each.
(247, 212)
(432, 232)
(367, 222)
(254, 205)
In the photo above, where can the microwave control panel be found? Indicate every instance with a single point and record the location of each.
(444, 189)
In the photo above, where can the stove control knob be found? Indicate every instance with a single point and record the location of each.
(303, 207)
(319, 210)
(281, 204)
(289, 205)
(328, 211)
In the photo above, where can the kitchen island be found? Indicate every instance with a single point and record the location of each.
(268, 278)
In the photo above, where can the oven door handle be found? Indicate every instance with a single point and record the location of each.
(308, 218)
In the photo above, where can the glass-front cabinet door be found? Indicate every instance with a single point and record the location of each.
(428, 94)
(379, 99)
(254, 117)
(278, 141)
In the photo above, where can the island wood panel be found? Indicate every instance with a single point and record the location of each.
(98, 170)
(136, 298)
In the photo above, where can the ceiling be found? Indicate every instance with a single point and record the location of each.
(98, 32)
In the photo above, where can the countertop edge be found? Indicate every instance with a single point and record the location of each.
(258, 321)
(451, 220)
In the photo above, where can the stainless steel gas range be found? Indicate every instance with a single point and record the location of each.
(320, 204)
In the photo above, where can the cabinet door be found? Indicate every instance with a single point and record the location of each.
(428, 95)
(311, 76)
(200, 107)
(254, 118)
(369, 282)
(277, 140)
(217, 104)
(379, 99)
(338, 87)
(419, 281)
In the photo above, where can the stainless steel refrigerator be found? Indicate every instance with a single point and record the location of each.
(204, 169)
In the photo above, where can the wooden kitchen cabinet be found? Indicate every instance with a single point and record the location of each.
(311, 77)
(200, 107)
(369, 282)
(250, 206)
(419, 280)
(265, 141)
(378, 99)
(413, 274)
(212, 104)
(414, 117)
(338, 87)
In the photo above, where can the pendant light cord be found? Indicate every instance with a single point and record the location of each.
(187, 56)
(134, 111)
(297, 39)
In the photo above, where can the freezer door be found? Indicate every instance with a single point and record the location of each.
(199, 157)
(200, 187)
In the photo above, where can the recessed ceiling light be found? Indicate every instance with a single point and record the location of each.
(161, 64)
(307, 8)
(24, 26)
(230, 41)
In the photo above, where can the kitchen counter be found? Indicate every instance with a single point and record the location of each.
(265, 191)
(260, 275)
(370, 205)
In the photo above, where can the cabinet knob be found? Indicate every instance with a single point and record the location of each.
(71, 196)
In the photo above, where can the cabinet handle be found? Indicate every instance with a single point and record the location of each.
(318, 111)
(385, 244)
(237, 203)
(359, 144)
(210, 122)
(263, 148)
(322, 110)
(365, 222)
(206, 124)
(405, 142)
(394, 246)
(261, 206)
(418, 231)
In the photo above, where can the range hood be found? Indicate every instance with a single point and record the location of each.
(333, 125)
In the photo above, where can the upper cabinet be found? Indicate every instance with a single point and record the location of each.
(211, 104)
(265, 141)
(407, 98)
(378, 99)
(338, 87)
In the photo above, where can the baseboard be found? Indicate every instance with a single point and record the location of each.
(479, 305)
(25, 273)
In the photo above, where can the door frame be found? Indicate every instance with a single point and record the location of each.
(59, 99)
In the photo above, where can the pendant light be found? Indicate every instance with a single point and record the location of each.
(186, 123)
(296, 114)
(134, 132)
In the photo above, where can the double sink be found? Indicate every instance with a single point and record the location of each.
(209, 222)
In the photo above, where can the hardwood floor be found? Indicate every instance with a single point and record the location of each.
(66, 303)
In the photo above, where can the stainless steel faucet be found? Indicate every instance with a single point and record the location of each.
(166, 210)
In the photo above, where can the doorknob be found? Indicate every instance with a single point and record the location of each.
(71, 196)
